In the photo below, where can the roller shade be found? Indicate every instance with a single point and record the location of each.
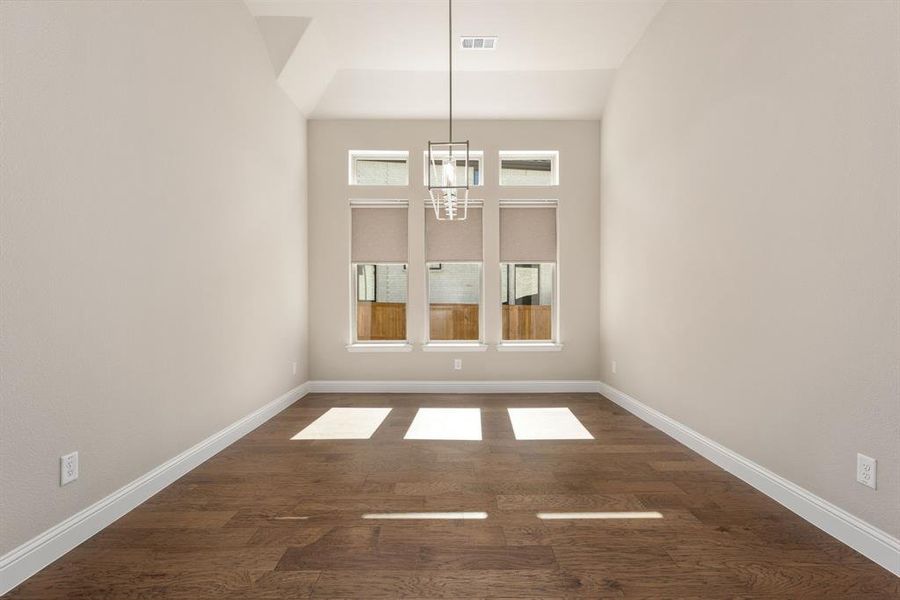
(379, 235)
(527, 234)
(453, 240)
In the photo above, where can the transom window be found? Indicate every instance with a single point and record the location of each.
(379, 167)
(529, 168)
(476, 177)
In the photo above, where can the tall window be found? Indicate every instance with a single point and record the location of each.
(528, 271)
(528, 168)
(454, 265)
(379, 268)
(379, 167)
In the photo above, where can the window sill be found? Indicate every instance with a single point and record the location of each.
(451, 347)
(383, 347)
(530, 347)
(529, 185)
(378, 185)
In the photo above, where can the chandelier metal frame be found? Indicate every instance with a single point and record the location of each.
(449, 198)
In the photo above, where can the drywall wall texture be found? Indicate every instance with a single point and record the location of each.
(329, 213)
(154, 242)
(749, 232)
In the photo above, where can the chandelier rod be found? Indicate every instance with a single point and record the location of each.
(450, 53)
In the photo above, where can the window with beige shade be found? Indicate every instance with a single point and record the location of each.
(379, 271)
(528, 271)
(453, 256)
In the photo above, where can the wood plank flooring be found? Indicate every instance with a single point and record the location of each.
(231, 528)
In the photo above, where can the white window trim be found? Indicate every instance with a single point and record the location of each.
(553, 155)
(519, 346)
(354, 155)
(443, 343)
(474, 155)
(379, 347)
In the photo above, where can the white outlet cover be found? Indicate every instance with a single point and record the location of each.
(866, 470)
(457, 363)
(68, 468)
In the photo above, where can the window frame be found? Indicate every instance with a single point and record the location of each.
(474, 156)
(553, 155)
(353, 156)
(432, 344)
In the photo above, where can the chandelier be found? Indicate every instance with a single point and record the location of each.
(448, 162)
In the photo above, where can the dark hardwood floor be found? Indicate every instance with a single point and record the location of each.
(230, 528)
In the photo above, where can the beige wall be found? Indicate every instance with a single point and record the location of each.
(153, 229)
(749, 233)
(579, 214)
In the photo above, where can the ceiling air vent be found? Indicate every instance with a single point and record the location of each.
(478, 42)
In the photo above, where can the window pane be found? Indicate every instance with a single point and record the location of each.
(380, 302)
(454, 296)
(528, 169)
(475, 158)
(379, 171)
(526, 295)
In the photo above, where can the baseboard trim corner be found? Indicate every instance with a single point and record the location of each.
(24, 561)
(868, 540)
(454, 387)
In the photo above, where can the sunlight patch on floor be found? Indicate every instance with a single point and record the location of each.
(556, 423)
(344, 424)
(427, 515)
(599, 515)
(445, 424)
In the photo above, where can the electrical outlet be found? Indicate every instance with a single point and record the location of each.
(68, 468)
(294, 367)
(866, 470)
(457, 364)
(614, 367)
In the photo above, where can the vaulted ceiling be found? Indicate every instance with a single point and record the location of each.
(388, 58)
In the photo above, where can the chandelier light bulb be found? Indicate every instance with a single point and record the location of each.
(449, 172)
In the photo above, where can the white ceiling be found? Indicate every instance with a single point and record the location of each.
(388, 58)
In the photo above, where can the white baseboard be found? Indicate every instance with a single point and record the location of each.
(454, 387)
(21, 563)
(877, 545)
